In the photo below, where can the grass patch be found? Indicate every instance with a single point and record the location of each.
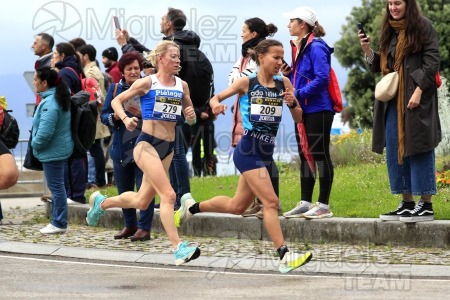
(358, 191)
(360, 187)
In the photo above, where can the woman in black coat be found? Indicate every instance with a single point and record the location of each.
(408, 125)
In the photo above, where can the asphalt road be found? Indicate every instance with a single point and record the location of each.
(24, 277)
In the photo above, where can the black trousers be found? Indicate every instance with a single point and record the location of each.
(318, 127)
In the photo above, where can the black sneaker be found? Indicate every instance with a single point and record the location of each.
(422, 212)
(404, 209)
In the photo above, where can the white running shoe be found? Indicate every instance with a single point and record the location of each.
(318, 212)
(298, 211)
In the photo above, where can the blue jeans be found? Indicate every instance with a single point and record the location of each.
(91, 169)
(99, 162)
(127, 177)
(179, 169)
(417, 174)
(54, 174)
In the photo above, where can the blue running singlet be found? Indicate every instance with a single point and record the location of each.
(162, 103)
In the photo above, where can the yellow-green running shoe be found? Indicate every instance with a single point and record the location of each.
(292, 261)
(183, 213)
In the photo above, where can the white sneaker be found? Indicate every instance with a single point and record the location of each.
(50, 229)
(318, 211)
(298, 211)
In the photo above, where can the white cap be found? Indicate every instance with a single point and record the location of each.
(303, 13)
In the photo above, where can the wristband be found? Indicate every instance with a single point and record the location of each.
(124, 118)
(195, 121)
(293, 105)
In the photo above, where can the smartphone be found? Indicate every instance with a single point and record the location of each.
(361, 28)
(116, 22)
(284, 62)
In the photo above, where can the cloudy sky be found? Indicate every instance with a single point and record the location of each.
(218, 23)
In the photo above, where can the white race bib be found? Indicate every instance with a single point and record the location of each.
(167, 108)
(264, 109)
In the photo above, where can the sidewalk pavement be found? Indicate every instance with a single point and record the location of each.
(232, 243)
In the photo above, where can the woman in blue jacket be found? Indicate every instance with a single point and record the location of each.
(52, 141)
(310, 75)
(126, 172)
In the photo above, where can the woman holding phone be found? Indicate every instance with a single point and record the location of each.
(408, 125)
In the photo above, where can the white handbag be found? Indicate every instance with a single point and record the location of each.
(387, 87)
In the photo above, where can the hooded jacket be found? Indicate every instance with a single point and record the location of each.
(184, 39)
(67, 75)
(197, 71)
(310, 75)
(51, 135)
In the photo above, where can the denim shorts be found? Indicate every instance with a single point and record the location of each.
(417, 175)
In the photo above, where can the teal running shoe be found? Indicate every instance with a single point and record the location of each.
(185, 253)
(95, 212)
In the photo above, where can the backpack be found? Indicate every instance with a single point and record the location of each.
(84, 121)
(198, 73)
(9, 134)
(89, 85)
(335, 92)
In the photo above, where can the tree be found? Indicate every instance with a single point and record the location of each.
(360, 86)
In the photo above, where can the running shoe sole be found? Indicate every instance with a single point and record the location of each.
(293, 216)
(416, 219)
(329, 215)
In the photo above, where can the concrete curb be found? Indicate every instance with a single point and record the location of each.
(217, 265)
(340, 230)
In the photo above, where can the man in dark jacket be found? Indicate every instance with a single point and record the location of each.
(42, 47)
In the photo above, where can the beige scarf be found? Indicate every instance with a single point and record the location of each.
(398, 66)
